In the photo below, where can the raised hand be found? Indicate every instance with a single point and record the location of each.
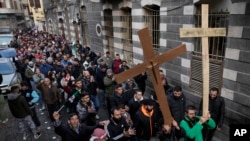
(56, 116)
(131, 131)
(175, 124)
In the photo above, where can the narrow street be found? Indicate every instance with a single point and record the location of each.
(10, 130)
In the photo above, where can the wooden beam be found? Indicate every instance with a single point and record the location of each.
(202, 32)
(205, 61)
(161, 95)
(164, 57)
(130, 73)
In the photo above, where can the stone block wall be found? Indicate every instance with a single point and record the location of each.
(94, 16)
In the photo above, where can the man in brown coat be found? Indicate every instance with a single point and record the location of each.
(51, 96)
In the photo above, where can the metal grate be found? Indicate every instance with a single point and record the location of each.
(84, 26)
(216, 44)
(108, 27)
(152, 20)
(126, 20)
(215, 68)
(217, 47)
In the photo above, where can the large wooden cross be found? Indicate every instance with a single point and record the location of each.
(204, 32)
(152, 63)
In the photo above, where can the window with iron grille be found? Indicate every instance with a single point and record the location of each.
(127, 25)
(84, 25)
(127, 35)
(216, 46)
(108, 28)
(152, 20)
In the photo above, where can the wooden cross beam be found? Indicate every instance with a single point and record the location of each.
(204, 32)
(152, 63)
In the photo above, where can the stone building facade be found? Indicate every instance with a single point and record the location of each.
(14, 14)
(113, 24)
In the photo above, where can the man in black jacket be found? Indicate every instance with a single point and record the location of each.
(118, 128)
(217, 111)
(177, 104)
(119, 97)
(20, 110)
(73, 130)
(32, 98)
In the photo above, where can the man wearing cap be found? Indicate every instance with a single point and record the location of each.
(29, 72)
(110, 84)
(146, 121)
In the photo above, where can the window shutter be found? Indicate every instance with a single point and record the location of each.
(215, 78)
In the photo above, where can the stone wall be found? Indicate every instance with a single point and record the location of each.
(175, 14)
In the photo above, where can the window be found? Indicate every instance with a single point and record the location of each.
(152, 20)
(61, 27)
(126, 29)
(127, 25)
(11, 4)
(31, 3)
(217, 47)
(2, 5)
(37, 4)
(76, 30)
(108, 28)
(15, 5)
(84, 24)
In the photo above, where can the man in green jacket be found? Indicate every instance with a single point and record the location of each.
(193, 124)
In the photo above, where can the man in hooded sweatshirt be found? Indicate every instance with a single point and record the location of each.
(20, 110)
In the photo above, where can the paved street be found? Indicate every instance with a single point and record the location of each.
(10, 130)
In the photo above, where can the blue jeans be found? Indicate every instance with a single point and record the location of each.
(95, 100)
(40, 101)
(33, 85)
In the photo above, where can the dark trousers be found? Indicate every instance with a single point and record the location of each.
(52, 108)
(108, 100)
(208, 134)
(35, 118)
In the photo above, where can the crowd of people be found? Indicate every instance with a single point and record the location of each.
(57, 72)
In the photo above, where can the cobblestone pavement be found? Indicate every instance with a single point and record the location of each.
(10, 130)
